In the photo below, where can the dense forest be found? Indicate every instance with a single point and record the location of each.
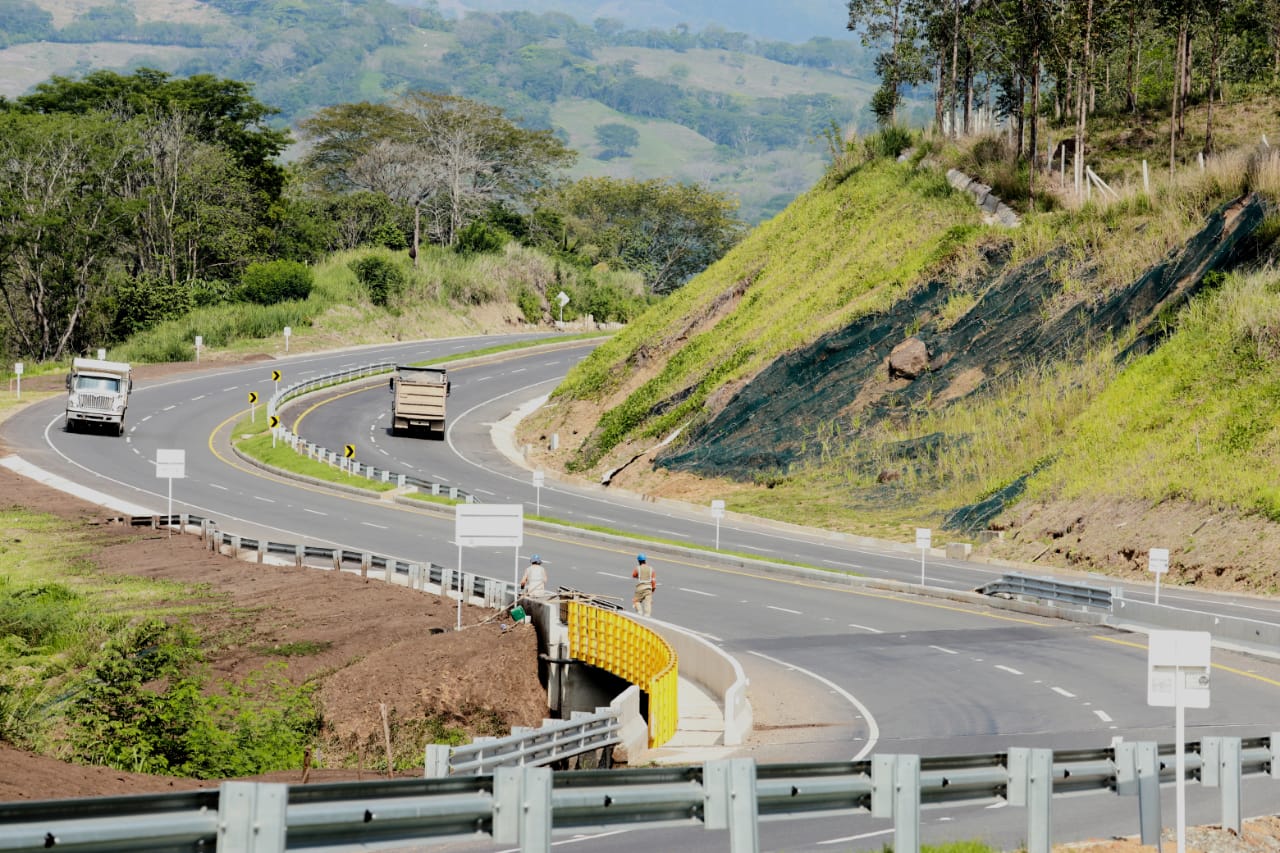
(126, 201)
(1061, 62)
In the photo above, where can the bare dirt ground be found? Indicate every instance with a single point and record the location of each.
(370, 643)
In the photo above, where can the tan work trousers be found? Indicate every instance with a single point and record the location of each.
(644, 599)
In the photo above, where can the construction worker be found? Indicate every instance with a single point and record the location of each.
(646, 583)
(534, 582)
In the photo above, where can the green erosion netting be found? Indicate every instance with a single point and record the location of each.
(795, 405)
(976, 516)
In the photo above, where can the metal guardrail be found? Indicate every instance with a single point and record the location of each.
(1017, 585)
(525, 805)
(337, 460)
(554, 741)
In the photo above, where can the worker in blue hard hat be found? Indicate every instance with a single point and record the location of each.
(646, 583)
(534, 582)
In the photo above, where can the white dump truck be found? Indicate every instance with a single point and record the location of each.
(418, 398)
(98, 393)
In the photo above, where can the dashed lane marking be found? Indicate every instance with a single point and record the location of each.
(945, 651)
(697, 592)
(784, 610)
(1062, 692)
(866, 628)
(1103, 715)
(1008, 669)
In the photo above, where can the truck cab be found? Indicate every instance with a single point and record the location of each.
(98, 393)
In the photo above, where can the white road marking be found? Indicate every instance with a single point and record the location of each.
(169, 408)
(670, 533)
(1000, 805)
(612, 575)
(1008, 669)
(1062, 692)
(841, 565)
(945, 651)
(599, 518)
(383, 452)
(144, 420)
(201, 397)
(216, 486)
(232, 388)
(1102, 715)
(857, 837)
(483, 492)
(784, 610)
(264, 500)
(482, 379)
(520, 370)
(551, 364)
(873, 730)
(866, 628)
(371, 524)
(697, 592)
(314, 511)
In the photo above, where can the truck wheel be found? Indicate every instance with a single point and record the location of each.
(71, 425)
(120, 428)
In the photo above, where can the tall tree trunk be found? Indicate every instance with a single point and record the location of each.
(955, 65)
(1035, 122)
(1180, 53)
(1022, 115)
(1086, 61)
(968, 91)
(938, 112)
(1215, 45)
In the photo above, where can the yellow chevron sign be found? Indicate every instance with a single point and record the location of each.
(275, 376)
(349, 451)
(275, 421)
(253, 396)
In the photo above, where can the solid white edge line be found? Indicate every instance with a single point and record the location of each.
(857, 837)
(873, 730)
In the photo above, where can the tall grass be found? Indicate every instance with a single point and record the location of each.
(1195, 420)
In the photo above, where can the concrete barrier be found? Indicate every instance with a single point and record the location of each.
(1230, 629)
(707, 664)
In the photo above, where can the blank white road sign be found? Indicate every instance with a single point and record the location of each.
(1178, 669)
(1158, 560)
(489, 525)
(171, 464)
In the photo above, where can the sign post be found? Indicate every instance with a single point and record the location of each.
(538, 479)
(253, 406)
(1178, 666)
(102, 354)
(274, 423)
(717, 512)
(563, 299)
(17, 369)
(171, 465)
(199, 344)
(288, 330)
(1158, 564)
(924, 539)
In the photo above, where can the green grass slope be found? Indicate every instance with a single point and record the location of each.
(839, 252)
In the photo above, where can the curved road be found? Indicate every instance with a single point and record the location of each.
(839, 670)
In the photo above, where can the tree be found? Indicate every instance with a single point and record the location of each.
(62, 220)
(902, 64)
(667, 232)
(616, 140)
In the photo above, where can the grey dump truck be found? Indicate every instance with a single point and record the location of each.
(417, 399)
(98, 393)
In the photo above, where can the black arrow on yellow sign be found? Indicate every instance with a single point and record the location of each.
(253, 396)
(275, 421)
(275, 376)
(349, 451)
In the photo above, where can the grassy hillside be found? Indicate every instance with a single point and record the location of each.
(1036, 381)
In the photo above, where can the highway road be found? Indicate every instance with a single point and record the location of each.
(842, 671)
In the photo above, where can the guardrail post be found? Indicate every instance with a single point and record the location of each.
(262, 551)
(365, 559)
(437, 761)
(1229, 774)
(1126, 764)
(729, 797)
(895, 793)
(235, 547)
(205, 527)
(1148, 766)
(252, 816)
(299, 553)
(453, 492)
(401, 480)
(183, 520)
(1031, 786)
(337, 559)
(386, 476)
(1274, 745)
(522, 807)
(435, 488)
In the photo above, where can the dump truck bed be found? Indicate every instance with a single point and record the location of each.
(419, 399)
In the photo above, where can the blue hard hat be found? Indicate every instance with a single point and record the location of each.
(640, 558)
(535, 559)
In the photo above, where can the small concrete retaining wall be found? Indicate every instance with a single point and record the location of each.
(984, 198)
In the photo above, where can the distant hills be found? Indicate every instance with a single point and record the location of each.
(744, 114)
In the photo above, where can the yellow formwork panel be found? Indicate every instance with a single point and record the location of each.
(630, 651)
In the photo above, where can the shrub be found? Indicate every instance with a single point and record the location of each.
(147, 300)
(530, 304)
(889, 142)
(381, 277)
(270, 282)
(480, 238)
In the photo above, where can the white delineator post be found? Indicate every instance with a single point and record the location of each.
(924, 540)
(1158, 564)
(1178, 667)
(199, 344)
(717, 512)
(288, 330)
(563, 299)
(17, 369)
(538, 479)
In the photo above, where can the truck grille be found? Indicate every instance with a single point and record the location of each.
(97, 401)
